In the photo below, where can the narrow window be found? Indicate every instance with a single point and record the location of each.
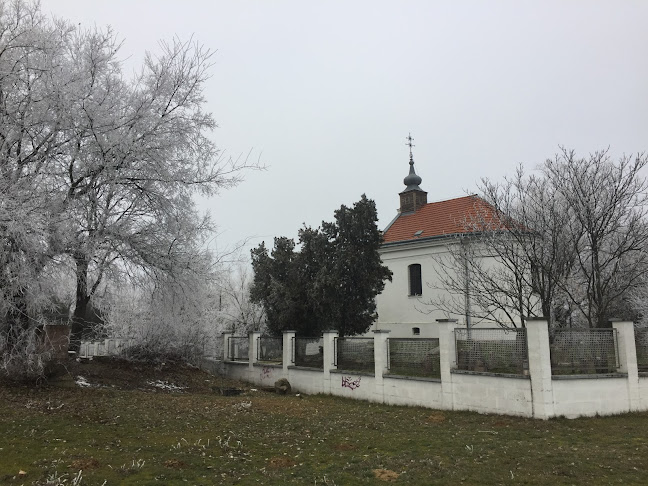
(415, 284)
(416, 331)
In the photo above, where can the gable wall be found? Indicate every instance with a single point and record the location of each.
(397, 311)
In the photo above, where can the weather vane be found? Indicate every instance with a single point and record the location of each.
(409, 142)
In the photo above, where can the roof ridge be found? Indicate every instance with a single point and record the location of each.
(456, 198)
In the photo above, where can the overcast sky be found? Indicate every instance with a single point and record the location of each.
(324, 93)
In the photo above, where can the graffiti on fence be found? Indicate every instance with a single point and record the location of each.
(348, 382)
(266, 372)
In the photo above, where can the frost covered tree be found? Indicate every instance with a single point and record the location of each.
(139, 151)
(236, 311)
(329, 283)
(30, 137)
(98, 169)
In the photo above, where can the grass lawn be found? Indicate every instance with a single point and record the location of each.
(145, 433)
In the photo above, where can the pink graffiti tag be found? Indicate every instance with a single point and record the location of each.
(347, 382)
(266, 372)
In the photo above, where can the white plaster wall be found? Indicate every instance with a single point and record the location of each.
(422, 393)
(643, 393)
(474, 392)
(307, 381)
(492, 394)
(399, 312)
(394, 305)
(591, 396)
(363, 386)
(264, 375)
(238, 371)
(404, 329)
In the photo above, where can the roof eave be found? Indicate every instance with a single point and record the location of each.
(426, 239)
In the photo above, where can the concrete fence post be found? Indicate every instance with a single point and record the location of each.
(288, 358)
(225, 337)
(628, 359)
(447, 360)
(328, 358)
(381, 363)
(540, 368)
(253, 349)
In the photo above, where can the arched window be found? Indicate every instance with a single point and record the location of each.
(415, 283)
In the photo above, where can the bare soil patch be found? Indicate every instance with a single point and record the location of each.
(175, 464)
(114, 372)
(280, 462)
(83, 464)
(385, 475)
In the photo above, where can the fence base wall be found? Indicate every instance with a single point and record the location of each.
(354, 385)
(399, 391)
(643, 392)
(491, 394)
(588, 397)
(532, 393)
(471, 392)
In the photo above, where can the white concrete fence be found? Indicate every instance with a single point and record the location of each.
(537, 393)
(107, 347)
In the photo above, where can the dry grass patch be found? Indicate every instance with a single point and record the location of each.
(280, 462)
(435, 418)
(344, 446)
(175, 464)
(84, 464)
(268, 403)
(385, 475)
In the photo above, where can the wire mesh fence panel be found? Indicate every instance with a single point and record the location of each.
(641, 343)
(238, 348)
(496, 350)
(414, 357)
(270, 349)
(309, 352)
(355, 354)
(583, 351)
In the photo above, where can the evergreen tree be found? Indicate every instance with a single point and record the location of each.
(331, 282)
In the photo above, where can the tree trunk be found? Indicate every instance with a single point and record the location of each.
(18, 319)
(80, 323)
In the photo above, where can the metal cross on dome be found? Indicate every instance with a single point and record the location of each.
(409, 142)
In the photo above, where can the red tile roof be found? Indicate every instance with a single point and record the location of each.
(454, 216)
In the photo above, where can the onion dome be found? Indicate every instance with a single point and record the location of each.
(412, 180)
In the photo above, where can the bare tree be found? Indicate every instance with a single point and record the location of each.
(607, 202)
(484, 276)
(567, 244)
(534, 244)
